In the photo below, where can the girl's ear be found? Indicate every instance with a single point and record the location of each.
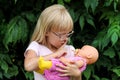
(47, 33)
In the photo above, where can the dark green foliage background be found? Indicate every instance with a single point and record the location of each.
(96, 22)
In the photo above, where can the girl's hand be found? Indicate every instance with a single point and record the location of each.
(62, 51)
(69, 70)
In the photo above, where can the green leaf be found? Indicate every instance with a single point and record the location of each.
(30, 17)
(105, 41)
(114, 38)
(104, 79)
(91, 3)
(67, 1)
(82, 22)
(96, 77)
(116, 70)
(1, 75)
(87, 3)
(108, 2)
(4, 66)
(12, 71)
(115, 5)
(101, 40)
(60, 2)
(87, 72)
(15, 1)
(71, 11)
(110, 31)
(90, 21)
(110, 52)
(28, 75)
(94, 4)
(17, 31)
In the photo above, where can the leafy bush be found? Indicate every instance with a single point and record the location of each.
(96, 22)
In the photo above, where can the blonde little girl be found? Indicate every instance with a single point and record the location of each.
(50, 36)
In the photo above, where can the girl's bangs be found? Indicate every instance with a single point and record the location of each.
(62, 25)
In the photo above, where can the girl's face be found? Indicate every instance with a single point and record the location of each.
(57, 39)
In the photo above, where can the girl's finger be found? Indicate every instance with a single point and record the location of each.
(61, 70)
(61, 66)
(64, 74)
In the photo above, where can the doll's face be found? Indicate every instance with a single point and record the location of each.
(81, 53)
(89, 53)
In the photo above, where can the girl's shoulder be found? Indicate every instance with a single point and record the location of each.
(38, 48)
(36, 44)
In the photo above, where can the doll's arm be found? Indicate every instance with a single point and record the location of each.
(78, 63)
(43, 65)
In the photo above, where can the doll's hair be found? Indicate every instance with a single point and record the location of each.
(53, 18)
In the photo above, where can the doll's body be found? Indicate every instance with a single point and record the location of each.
(52, 74)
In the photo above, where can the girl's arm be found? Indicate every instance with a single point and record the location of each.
(78, 78)
(31, 59)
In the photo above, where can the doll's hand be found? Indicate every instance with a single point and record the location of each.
(69, 70)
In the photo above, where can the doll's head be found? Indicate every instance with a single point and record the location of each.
(89, 53)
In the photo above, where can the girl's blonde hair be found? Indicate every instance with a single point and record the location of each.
(55, 17)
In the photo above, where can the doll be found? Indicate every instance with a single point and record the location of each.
(86, 55)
